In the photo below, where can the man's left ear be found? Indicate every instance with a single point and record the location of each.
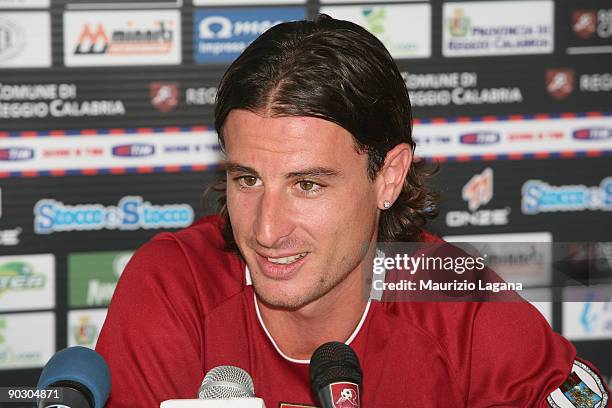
(390, 178)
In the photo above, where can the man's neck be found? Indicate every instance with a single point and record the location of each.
(333, 317)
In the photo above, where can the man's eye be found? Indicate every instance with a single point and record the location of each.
(309, 188)
(248, 181)
(307, 185)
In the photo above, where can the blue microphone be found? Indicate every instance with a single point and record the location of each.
(83, 376)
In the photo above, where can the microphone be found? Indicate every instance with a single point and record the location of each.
(335, 376)
(83, 376)
(223, 386)
(226, 382)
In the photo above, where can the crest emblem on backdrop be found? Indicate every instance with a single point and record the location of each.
(584, 23)
(164, 95)
(560, 82)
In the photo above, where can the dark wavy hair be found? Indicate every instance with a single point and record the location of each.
(337, 71)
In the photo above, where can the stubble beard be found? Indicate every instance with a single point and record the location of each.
(326, 283)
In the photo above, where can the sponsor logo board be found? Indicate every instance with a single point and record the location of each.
(25, 39)
(362, 1)
(175, 148)
(84, 327)
(131, 213)
(513, 137)
(244, 2)
(541, 197)
(483, 28)
(517, 257)
(114, 5)
(405, 30)
(27, 340)
(23, 4)
(221, 34)
(107, 38)
(588, 316)
(93, 276)
(27, 282)
(477, 193)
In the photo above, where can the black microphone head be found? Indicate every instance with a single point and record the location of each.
(80, 368)
(334, 362)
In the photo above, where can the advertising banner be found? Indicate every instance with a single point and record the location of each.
(25, 39)
(119, 38)
(484, 28)
(561, 135)
(404, 29)
(220, 35)
(93, 276)
(27, 282)
(526, 196)
(84, 327)
(27, 340)
(111, 151)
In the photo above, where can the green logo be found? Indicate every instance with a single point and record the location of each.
(378, 21)
(459, 24)
(375, 18)
(17, 275)
(93, 276)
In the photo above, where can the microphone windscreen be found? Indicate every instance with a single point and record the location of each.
(334, 362)
(226, 382)
(80, 365)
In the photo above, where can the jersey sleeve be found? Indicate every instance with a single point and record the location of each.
(518, 360)
(152, 335)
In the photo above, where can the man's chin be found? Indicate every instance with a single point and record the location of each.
(289, 303)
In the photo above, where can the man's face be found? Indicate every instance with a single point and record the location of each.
(301, 205)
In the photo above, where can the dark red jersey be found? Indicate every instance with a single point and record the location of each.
(184, 306)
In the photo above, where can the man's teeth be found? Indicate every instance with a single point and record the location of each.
(287, 259)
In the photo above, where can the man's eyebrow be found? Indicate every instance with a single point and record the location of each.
(232, 167)
(314, 172)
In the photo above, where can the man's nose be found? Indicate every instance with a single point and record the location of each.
(273, 221)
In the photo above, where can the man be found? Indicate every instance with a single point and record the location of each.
(315, 120)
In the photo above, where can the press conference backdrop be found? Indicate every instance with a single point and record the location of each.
(106, 113)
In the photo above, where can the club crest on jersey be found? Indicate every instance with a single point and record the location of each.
(583, 388)
(345, 395)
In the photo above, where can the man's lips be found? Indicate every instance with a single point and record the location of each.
(280, 266)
